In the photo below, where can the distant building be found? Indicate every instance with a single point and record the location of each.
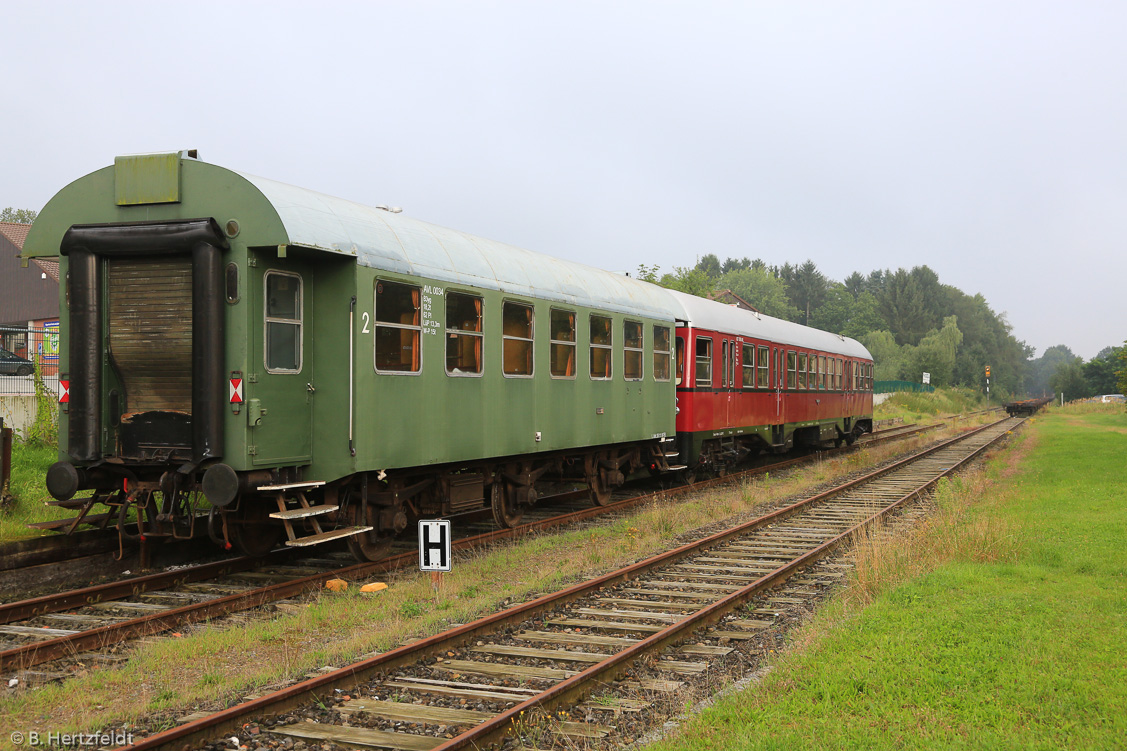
(29, 298)
(728, 297)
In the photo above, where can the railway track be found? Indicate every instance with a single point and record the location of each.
(626, 637)
(43, 629)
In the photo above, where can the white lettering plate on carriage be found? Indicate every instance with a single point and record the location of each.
(435, 545)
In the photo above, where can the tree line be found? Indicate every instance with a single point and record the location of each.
(910, 321)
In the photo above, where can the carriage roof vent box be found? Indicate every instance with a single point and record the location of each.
(392, 209)
(141, 179)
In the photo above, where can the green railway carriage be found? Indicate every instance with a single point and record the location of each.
(328, 369)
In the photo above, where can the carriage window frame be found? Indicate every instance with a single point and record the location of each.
(572, 344)
(637, 353)
(733, 363)
(267, 319)
(763, 377)
(607, 348)
(822, 372)
(802, 369)
(839, 380)
(453, 334)
(529, 341)
(792, 369)
(662, 355)
(724, 362)
(378, 324)
(747, 369)
(705, 360)
(679, 360)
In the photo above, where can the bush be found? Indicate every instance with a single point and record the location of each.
(45, 430)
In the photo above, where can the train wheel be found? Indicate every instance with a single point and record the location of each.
(253, 532)
(506, 511)
(367, 546)
(599, 491)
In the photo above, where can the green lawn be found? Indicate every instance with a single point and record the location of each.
(1025, 652)
(28, 486)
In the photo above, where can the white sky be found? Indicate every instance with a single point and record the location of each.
(987, 140)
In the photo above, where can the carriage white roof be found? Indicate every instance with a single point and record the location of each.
(394, 242)
(707, 314)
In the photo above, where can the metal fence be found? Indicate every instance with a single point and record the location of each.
(25, 351)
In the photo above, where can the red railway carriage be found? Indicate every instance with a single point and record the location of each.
(747, 382)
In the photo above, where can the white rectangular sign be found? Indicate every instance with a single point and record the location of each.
(435, 549)
(927, 378)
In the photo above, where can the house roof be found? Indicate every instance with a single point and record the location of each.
(24, 294)
(16, 234)
(49, 265)
(728, 297)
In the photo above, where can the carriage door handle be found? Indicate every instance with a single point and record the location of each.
(309, 388)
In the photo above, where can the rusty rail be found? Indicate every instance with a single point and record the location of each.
(231, 719)
(36, 653)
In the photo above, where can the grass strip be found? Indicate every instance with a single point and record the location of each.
(997, 624)
(913, 406)
(29, 468)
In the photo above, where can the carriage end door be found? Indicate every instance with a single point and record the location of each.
(280, 394)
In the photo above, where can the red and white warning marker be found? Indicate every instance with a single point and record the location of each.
(64, 392)
(236, 391)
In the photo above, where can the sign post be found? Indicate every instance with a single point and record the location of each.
(435, 550)
(987, 383)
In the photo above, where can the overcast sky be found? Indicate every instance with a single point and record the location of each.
(987, 140)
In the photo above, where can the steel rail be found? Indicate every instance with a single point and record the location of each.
(37, 653)
(570, 690)
(231, 719)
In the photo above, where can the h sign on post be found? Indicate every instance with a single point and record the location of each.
(434, 546)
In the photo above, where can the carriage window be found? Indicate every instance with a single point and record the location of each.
(703, 374)
(764, 369)
(802, 370)
(724, 363)
(632, 350)
(812, 381)
(397, 328)
(680, 359)
(839, 374)
(283, 322)
(600, 347)
(516, 343)
(464, 338)
(821, 371)
(792, 370)
(563, 343)
(661, 353)
(749, 366)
